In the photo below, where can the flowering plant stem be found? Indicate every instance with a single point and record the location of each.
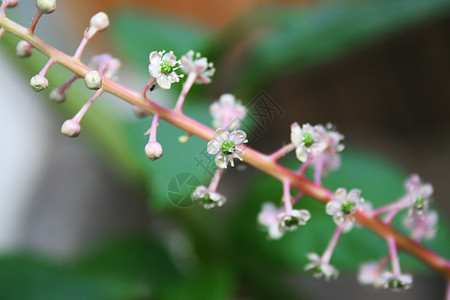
(263, 162)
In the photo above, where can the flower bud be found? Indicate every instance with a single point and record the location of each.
(183, 138)
(57, 96)
(153, 150)
(71, 128)
(93, 80)
(39, 83)
(46, 6)
(12, 3)
(98, 22)
(24, 49)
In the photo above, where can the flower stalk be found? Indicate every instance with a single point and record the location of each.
(252, 157)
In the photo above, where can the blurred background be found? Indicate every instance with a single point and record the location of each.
(92, 218)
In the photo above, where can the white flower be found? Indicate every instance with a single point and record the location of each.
(106, 64)
(422, 225)
(227, 112)
(307, 141)
(226, 146)
(268, 218)
(321, 269)
(419, 194)
(329, 158)
(344, 205)
(290, 220)
(193, 62)
(369, 273)
(208, 199)
(396, 283)
(162, 66)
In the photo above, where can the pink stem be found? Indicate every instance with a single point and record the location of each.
(304, 166)
(149, 83)
(395, 263)
(86, 106)
(215, 180)
(282, 152)
(390, 216)
(318, 169)
(66, 85)
(297, 197)
(47, 66)
(34, 22)
(80, 48)
(252, 157)
(186, 88)
(287, 195)
(399, 205)
(153, 129)
(332, 244)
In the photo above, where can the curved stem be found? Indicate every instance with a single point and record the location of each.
(251, 156)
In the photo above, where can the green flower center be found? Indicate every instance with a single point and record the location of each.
(347, 207)
(207, 199)
(228, 147)
(308, 139)
(166, 68)
(317, 269)
(291, 222)
(419, 203)
(395, 283)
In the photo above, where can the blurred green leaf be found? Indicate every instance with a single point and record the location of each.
(380, 181)
(278, 40)
(137, 34)
(26, 277)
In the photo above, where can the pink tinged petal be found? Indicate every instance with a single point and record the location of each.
(333, 207)
(173, 77)
(202, 79)
(313, 257)
(214, 147)
(349, 225)
(164, 82)
(302, 155)
(274, 232)
(155, 58)
(354, 196)
(222, 134)
(338, 218)
(201, 64)
(170, 57)
(227, 100)
(426, 190)
(155, 70)
(187, 65)
(238, 137)
(296, 134)
(340, 195)
(221, 160)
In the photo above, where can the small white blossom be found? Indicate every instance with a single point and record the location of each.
(208, 199)
(419, 195)
(93, 80)
(193, 62)
(321, 269)
(106, 64)
(24, 49)
(422, 225)
(290, 220)
(226, 146)
(268, 218)
(153, 150)
(39, 83)
(369, 273)
(307, 141)
(227, 112)
(344, 205)
(388, 280)
(162, 66)
(329, 159)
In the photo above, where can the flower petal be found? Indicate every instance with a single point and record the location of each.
(302, 155)
(155, 58)
(333, 207)
(238, 137)
(222, 134)
(164, 82)
(296, 134)
(213, 147)
(340, 195)
(154, 70)
(221, 160)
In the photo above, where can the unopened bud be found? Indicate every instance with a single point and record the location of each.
(12, 3)
(98, 22)
(57, 96)
(93, 80)
(46, 6)
(39, 83)
(24, 49)
(183, 138)
(71, 128)
(153, 150)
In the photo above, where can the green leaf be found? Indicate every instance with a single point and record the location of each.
(282, 39)
(380, 181)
